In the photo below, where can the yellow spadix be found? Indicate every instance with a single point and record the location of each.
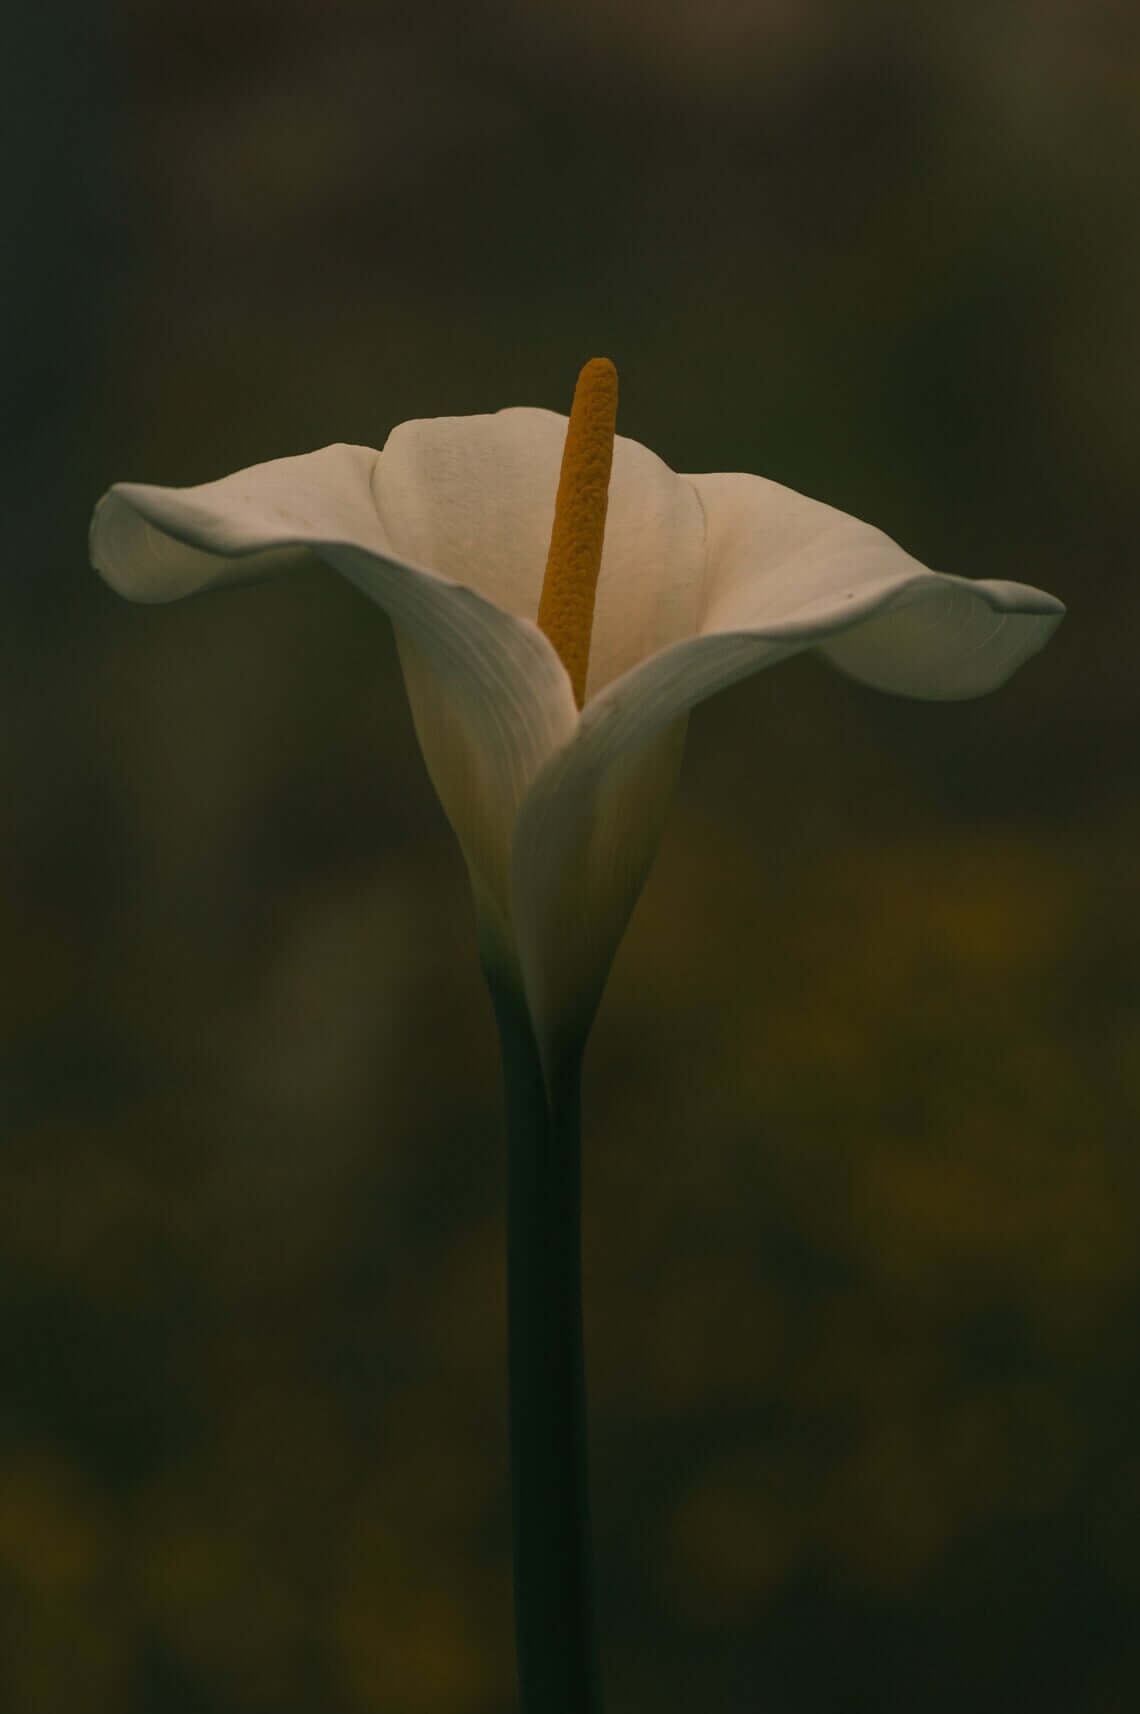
(566, 605)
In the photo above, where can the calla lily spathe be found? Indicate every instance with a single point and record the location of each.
(703, 580)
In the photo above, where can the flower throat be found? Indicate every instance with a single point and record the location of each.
(566, 605)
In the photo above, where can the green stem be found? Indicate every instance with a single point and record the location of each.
(554, 1606)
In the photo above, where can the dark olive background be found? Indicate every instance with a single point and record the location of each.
(862, 1187)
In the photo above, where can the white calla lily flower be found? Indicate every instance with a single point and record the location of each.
(703, 579)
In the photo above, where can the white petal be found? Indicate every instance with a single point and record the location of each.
(781, 566)
(589, 826)
(473, 497)
(784, 574)
(490, 698)
(586, 835)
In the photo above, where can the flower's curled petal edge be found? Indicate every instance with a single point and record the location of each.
(781, 565)
(959, 640)
(490, 698)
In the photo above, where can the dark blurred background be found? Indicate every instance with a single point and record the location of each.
(862, 1185)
